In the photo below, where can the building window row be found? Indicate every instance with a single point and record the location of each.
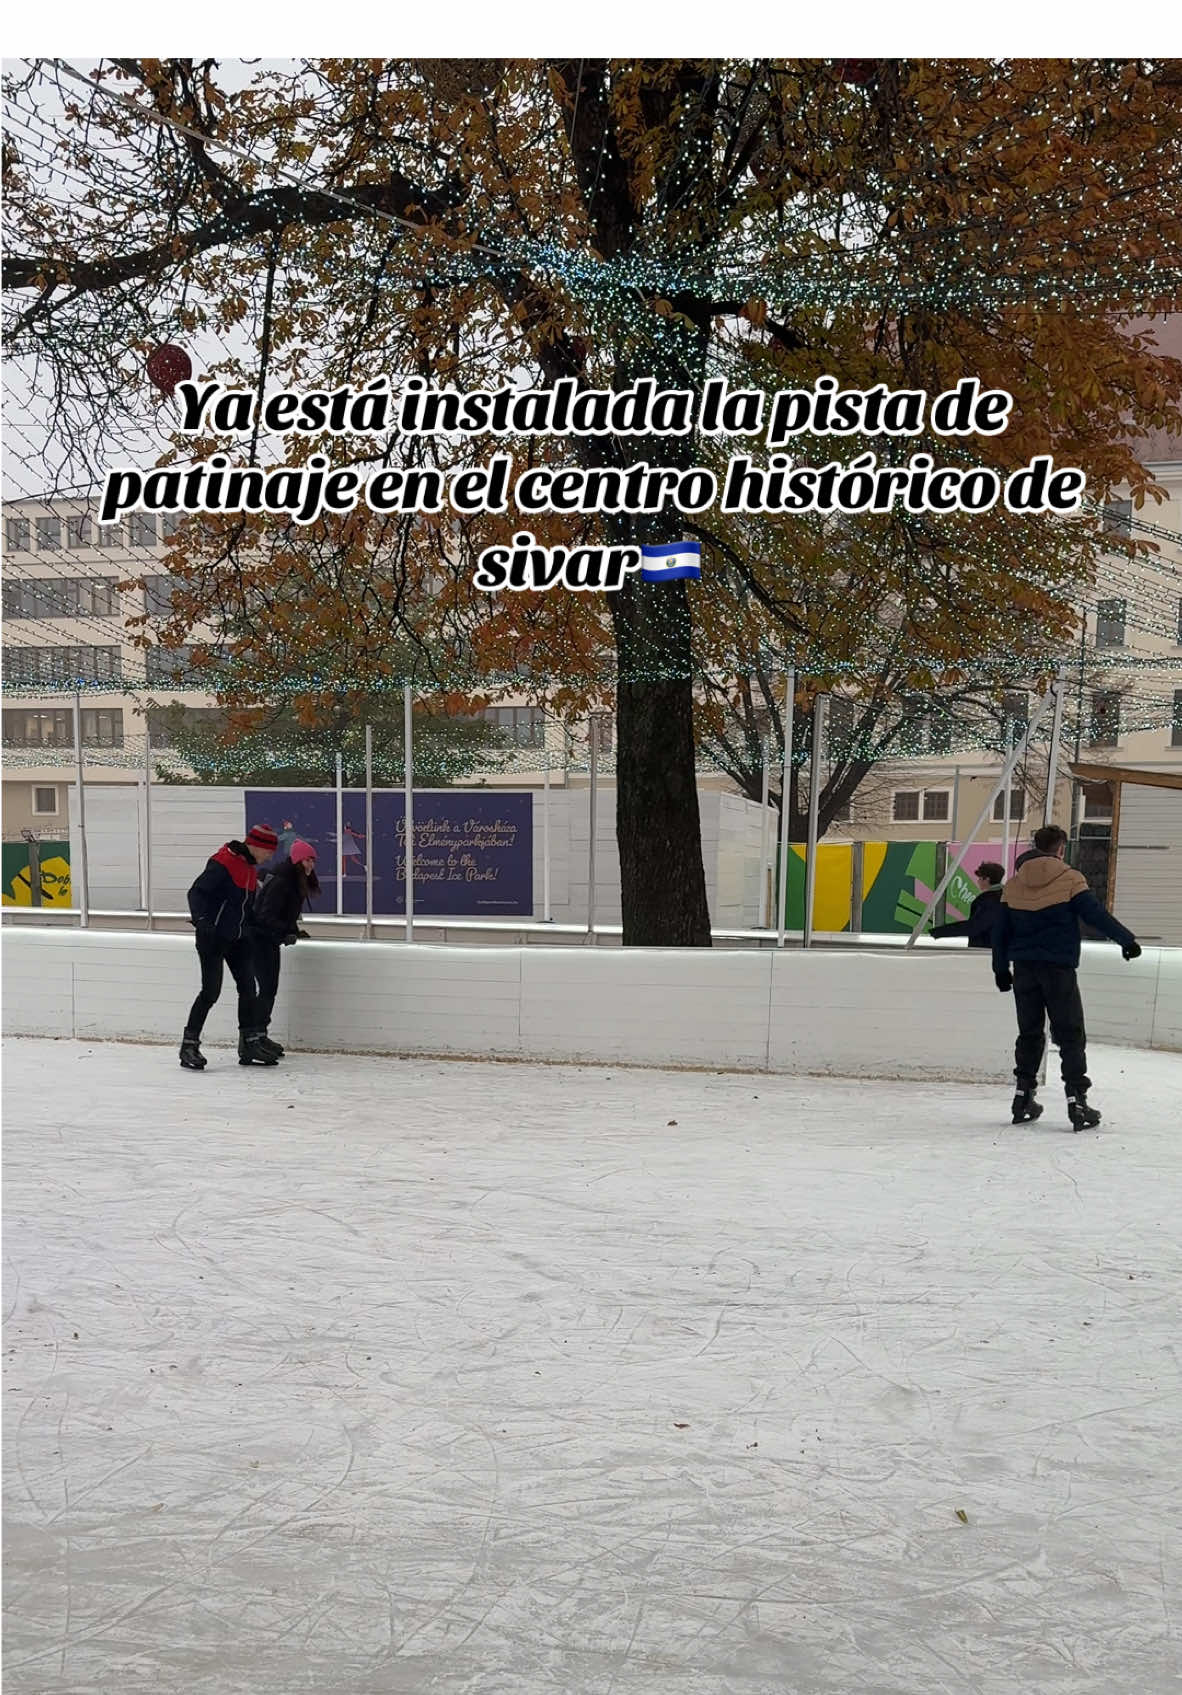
(50, 534)
(524, 726)
(61, 597)
(62, 666)
(54, 727)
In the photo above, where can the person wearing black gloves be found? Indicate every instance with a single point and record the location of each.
(220, 907)
(1037, 934)
(978, 926)
(276, 923)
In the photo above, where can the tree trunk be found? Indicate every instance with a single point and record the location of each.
(658, 823)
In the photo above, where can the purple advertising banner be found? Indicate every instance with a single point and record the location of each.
(473, 851)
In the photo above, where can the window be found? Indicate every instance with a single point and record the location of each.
(525, 726)
(170, 523)
(1110, 623)
(841, 728)
(1097, 802)
(1180, 623)
(45, 728)
(166, 723)
(60, 597)
(158, 593)
(1016, 707)
(1176, 737)
(16, 535)
(1105, 725)
(108, 535)
(905, 806)
(44, 802)
(78, 531)
(142, 529)
(62, 665)
(168, 664)
(1017, 806)
(936, 805)
(102, 726)
(1118, 518)
(49, 535)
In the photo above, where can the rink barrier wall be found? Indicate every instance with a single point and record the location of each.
(926, 1014)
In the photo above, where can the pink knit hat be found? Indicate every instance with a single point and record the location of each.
(301, 851)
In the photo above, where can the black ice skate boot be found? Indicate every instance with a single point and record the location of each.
(252, 1050)
(268, 1041)
(1025, 1108)
(1082, 1116)
(192, 1058)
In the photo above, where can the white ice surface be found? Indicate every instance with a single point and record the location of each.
(375, 1376)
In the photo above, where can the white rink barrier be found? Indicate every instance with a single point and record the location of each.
(931, 1013)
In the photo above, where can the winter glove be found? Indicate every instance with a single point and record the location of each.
(1133, 951)
(289, 941)
(1004, 981)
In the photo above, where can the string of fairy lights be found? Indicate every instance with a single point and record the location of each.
(619, 293)
(743, 263)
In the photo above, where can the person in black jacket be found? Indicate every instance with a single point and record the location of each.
(220, 908)
(1037, 934)
(276, 923)
(983, 913)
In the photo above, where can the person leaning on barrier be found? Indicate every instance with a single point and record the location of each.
(983, 913)
(276, 924)
(1036, 948)
(221, 904)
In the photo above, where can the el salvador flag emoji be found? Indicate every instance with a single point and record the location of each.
(674, 559)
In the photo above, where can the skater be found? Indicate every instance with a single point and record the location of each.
(983, 913)
(220, 904)
(1037, 932)
(276, 924)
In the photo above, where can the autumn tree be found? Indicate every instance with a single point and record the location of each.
(476, 221)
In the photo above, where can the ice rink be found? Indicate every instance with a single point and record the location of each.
(368, 1375)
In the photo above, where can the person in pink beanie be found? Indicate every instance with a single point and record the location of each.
(277, 923)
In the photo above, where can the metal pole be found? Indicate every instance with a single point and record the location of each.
(1053, 756)
(955, 801)
(591, 800)
(340, 836)
(765, 832)
(369, 832)
(148, 821)
(810, 865)
(1006, 793)
(34, 871)
(84, 884)
(785, 805)
(546, 918)
(409, 778)
(986, 812)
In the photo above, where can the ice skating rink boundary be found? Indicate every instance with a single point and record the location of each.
(842, 1012)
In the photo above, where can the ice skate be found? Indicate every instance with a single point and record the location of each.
(1025, 1108)
(266, 1040)
(192, 1058)
(252, 1050)
(1082, 1116)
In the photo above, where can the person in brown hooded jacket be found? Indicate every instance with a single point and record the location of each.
(1037, 934)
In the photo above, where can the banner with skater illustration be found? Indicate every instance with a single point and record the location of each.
(473, 852)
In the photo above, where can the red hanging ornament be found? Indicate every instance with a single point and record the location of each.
(856, 71)
(168, 366)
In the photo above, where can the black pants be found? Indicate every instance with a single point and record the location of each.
(1042, 992)
(266, 971)
(215, 956)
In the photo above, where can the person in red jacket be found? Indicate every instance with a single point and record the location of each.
(220, 906)
(1036, 953)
